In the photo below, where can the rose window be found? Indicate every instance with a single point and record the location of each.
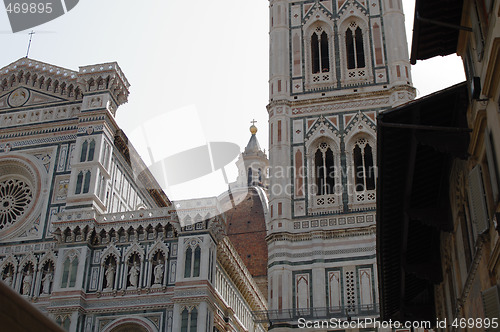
(15, 199)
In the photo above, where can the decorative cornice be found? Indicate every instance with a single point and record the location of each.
(321, 234)
(90, 220)
(323, 253)
(381, 97)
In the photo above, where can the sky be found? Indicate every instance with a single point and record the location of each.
(198, 70)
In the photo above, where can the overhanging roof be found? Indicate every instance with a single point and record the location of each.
(433, 33)
(417, 143)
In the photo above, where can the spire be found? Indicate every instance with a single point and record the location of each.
(253, 146)
(252, 164)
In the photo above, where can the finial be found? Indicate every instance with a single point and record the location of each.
(253, 129)
(29, 44)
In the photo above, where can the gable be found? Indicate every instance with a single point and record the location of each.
(22, 97)
(28, 82)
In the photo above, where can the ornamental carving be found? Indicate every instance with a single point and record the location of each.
(18, 97)
(16, 197)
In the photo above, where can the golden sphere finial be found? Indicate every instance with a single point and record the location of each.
(253, 129)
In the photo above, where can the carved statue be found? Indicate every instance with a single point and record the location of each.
(133, 275)
(46, 281)
(28, 279)
(159, 273)
(110, 277)
(8, 279)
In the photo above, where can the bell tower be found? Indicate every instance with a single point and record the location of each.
(334, 65)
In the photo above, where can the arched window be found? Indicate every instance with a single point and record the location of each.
(319, 51)
(363, 165)
(79, 181)
(250, 177)
(354, 47)
(194, 320)
(184, 320)
(187, 266)
(70, 269)
(192, 267)
(324, 170)
(102, 188)
(83, 155)
(197, 258)
(88, 151)
(189, 320)
(86, 183)
(91, 151)
(66, 324)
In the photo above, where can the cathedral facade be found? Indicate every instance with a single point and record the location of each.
(86, 233)
(334, 65)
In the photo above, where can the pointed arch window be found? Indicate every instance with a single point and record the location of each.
(194, 320)
(184, 320)
(83, 155)
(70, 268)
(66, 323)
(354, 47)
(250, 177)
(196, 263)
(187, 266)
(320, 52)
(324, 168)
(88, 151)
(79, 181)
(192, 262)
(363, 165)
(91, 151)
(86, 182)
(189, 320)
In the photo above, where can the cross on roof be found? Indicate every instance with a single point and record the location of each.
(253, 122)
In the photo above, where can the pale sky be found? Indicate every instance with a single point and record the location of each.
(198, 69)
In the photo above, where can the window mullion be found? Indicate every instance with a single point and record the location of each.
(314, 176)
(320, 54)
(355, 50)
(363, 166)
(324, 172)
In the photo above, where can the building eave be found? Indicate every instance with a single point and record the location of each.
(417, 144)
(436, 28)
